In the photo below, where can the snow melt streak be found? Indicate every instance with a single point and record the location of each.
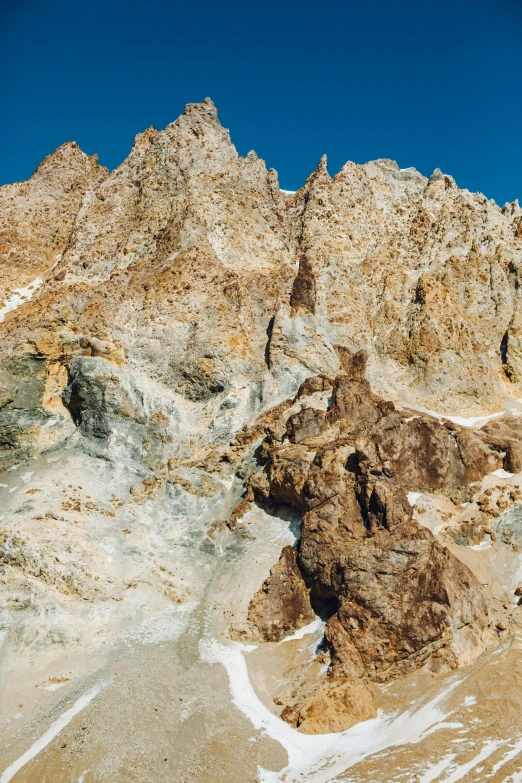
(51, 733)
(319, 758)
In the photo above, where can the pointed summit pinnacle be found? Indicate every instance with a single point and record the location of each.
(205, 107)
(323, 165)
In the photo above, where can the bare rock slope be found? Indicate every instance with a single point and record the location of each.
(215, 400)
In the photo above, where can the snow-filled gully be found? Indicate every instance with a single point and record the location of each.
(319, 758)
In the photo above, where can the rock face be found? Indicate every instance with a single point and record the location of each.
(283, 603)
(238, 292)
(37, 216)
(394, 598)
(402, 597)
(195, 346)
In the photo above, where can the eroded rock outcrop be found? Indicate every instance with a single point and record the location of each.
(193, 327)
(283, 603)
(394, 598)
(37, 216)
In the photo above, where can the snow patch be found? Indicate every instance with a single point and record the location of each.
(54, 686)
(316, 626)
(501, 473)
(413, 497)
(321, 757)
(433, 772)
(20, 297)
(511, 754)
(486, 544)
(51, 732)
(462, 770)
(472, 421)
(463, 421)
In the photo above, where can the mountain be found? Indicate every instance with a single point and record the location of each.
(260, 470)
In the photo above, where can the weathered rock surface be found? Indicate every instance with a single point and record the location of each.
(37, 216)
(193, 331)
(394, 598)
(283, 603)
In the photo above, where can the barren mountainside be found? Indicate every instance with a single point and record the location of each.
(260, 471)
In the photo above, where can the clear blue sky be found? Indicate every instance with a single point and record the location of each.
(426, 82)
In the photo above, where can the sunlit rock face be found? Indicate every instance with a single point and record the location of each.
(216, 398)
(393, 598)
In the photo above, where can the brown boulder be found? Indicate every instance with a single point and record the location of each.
(316, 383)
(477, 456)
(332, 522)
(335, 706)
(353, 365)
(353, 404)
(505, 434)
(287, 473)
(403, 597)
(282, 605)
(399, 595)
(307, 423)
(423, 453)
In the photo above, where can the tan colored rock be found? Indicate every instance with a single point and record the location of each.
(37, 216)
(200, 328)
(336, 706)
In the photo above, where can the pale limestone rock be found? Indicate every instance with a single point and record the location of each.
(183, 296)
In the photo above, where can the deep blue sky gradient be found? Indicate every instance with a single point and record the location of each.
(426, 82)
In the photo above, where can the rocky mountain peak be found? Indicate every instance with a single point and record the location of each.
(204, 108)
(230, 413)
(69, 156)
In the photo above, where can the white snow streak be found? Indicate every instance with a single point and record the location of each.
(51, 733)
(462, 770)
(501, 473)
(54, 686)
(511, 754)
(20, 297)
(433, 772)
(316, 626)
(473, 421)
(486, 544)
(463, 421)
(319, 758)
